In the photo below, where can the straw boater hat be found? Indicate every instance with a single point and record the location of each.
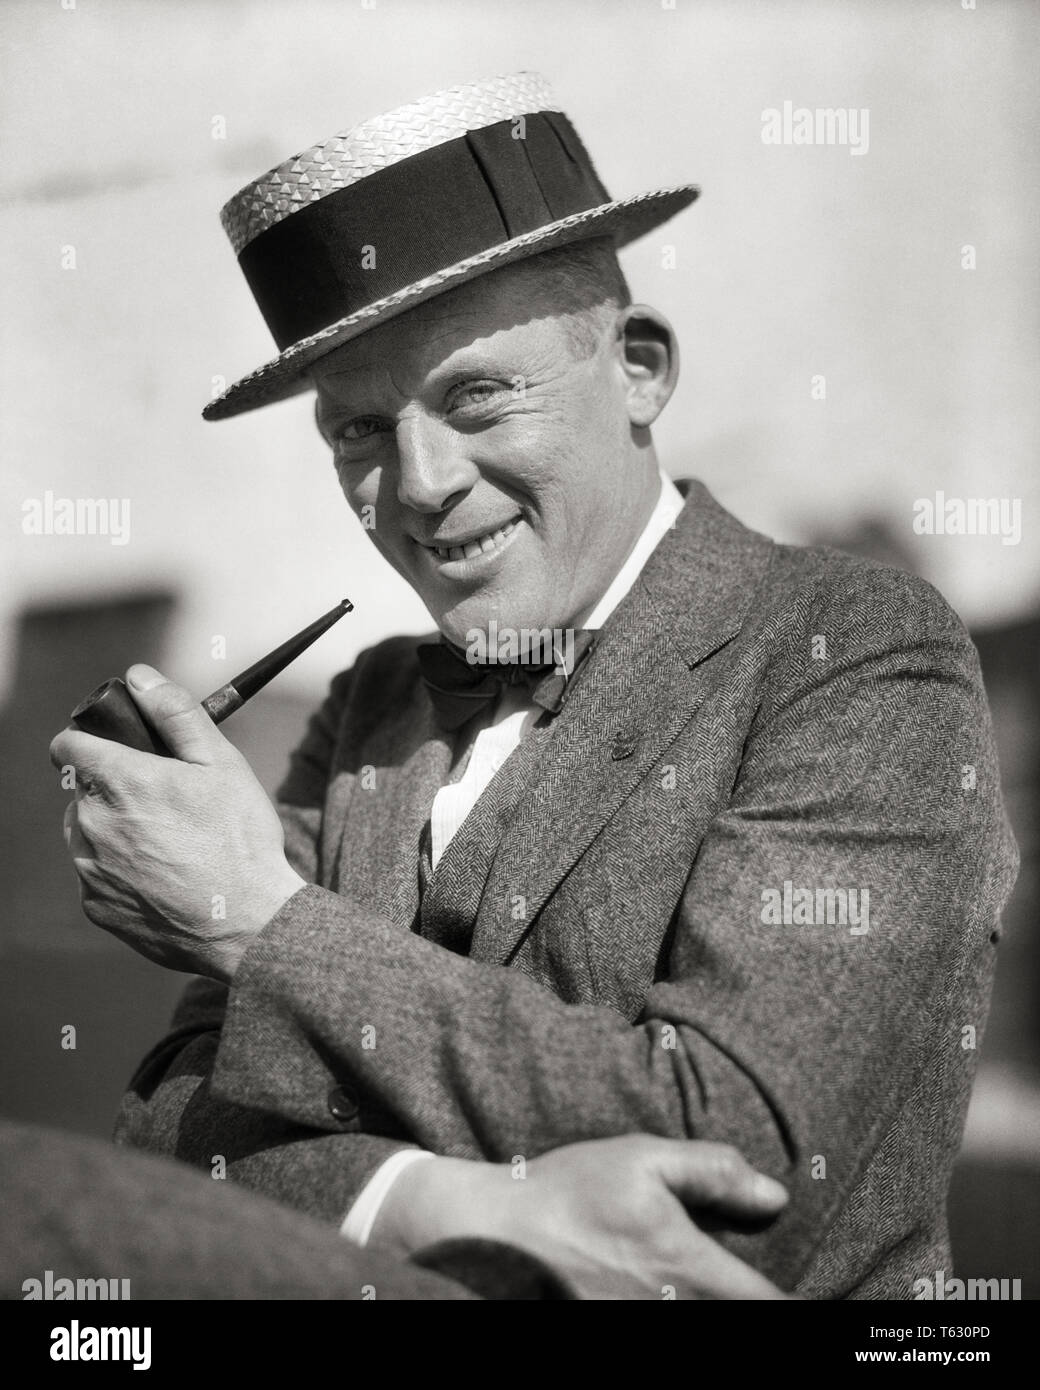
(408, 205)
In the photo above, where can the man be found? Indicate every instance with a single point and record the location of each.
(729, 867)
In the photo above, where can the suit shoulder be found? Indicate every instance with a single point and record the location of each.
(387, 670)
(844, 593)
(391, 658)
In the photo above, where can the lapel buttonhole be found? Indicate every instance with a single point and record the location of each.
(624, 744)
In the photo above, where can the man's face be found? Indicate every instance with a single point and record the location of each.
(496, 458)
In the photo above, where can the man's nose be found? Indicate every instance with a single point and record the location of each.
(432, 471)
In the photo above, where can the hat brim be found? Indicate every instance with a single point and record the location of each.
(287, 375)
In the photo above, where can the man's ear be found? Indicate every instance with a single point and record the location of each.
(648, 356)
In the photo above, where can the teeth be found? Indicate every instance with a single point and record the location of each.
(473, 548)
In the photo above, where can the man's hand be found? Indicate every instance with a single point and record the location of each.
(183, 858)
(614, 1216)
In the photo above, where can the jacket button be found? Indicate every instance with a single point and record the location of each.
(343, 1104)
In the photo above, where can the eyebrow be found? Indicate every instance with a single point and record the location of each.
(463, 364)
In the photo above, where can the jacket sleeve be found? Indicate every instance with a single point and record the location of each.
(871, 771)
(170, 1106)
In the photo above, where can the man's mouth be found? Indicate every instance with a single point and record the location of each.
(473, 546)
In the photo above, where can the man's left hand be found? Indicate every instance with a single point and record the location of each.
(183, 858)
(617, 1217)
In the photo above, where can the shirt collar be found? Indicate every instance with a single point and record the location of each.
(669, 504)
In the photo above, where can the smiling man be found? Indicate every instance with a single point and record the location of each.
(499, 436)
(509, 906)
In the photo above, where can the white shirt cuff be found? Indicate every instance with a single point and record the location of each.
(361, 1217)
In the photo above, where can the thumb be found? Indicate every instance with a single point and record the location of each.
(176, 716)
(704, 1174)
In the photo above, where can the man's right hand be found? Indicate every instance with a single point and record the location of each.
(616, 1217)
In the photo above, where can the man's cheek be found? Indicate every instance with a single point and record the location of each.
(390, 552)
(396, 549)
(363, 502)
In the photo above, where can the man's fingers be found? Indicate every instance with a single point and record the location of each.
(176, 716)
(96, 760)
(704, 1174)
(68, 747)
(181, 722)
(727, 1277)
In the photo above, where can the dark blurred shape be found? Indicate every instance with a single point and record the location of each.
(994, 1214)
(61, 651)
(1010, 656)
(57, 969)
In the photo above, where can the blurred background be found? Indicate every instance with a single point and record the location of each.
(904, 278)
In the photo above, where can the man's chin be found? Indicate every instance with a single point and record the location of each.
(495, 622)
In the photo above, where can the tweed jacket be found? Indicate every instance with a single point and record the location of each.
(744, 886)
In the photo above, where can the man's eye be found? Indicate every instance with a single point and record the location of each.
(475, 393)
(362, 427)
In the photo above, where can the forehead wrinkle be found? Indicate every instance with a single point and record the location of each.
(342, 390)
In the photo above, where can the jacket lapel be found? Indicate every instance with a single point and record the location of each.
(644, 681)
(404, 760)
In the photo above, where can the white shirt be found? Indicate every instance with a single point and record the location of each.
(515, 716)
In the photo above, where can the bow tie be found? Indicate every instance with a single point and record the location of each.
(460, 688)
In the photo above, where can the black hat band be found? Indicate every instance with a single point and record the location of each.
(412, 219)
